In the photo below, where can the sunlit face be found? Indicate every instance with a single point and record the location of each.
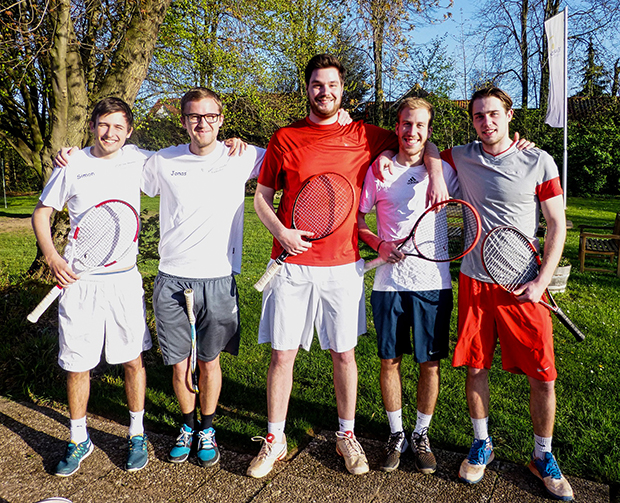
(110, 132)
(202, 134)
(413, 130)
(325, 92)
(491, 120)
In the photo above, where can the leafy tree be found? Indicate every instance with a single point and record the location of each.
(384, 27)
(594, 79)
(432, 68)
(512, 31)
(58, 57)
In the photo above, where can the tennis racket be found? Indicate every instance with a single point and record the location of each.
(510, 259)
(444, 232)
(321, 206)
(189, 301)
(103, 236)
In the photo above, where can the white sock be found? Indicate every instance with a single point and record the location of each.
(423, 422)
(277, 430)
(79, 433)
(346, 424)
(481, 428)
(395, 418)
(541, 445)
(136, 423)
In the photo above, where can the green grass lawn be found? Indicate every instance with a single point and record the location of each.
(586, 439)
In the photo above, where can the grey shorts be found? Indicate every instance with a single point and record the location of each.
(216, 306)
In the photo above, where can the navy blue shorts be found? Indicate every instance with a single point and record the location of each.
(425, 314)
(216, 306)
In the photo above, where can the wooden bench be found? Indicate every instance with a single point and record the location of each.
(603, 245)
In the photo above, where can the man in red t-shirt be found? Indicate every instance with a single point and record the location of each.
(321, 284)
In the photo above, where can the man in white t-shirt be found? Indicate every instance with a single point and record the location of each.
(202, 192)
(105, 310)
(409, 293)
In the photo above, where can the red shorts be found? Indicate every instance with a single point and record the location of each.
(525, 332)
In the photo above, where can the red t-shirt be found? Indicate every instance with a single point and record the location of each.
(304, 149)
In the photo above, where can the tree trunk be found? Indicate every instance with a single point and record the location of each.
(131, 59)
(615, 83)
(70, 99)
(377, 46)
(524, 57)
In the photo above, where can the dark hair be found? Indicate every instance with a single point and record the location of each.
(200, 93)
(490, 92)
(414, 104)
(112, 105)
(323, 61)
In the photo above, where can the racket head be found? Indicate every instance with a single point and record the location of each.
(104, 235)
(444, 232)
(509, 257)
(323, 204)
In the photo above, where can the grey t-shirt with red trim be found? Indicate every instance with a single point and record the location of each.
(505, 189)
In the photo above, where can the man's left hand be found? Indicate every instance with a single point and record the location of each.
(236, 146)
(522, 143)
(344, 119)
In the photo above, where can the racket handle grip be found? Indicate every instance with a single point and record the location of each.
(579, 337)
(46, 302)
(373, 264)
(271, 271)
(189, 302)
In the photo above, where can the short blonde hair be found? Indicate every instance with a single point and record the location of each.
(414, 104)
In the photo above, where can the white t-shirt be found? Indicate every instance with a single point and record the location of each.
(400, 200)
(201, 208)
(87, 181)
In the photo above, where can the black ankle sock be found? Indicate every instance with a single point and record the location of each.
(207, 421)
(189, 419)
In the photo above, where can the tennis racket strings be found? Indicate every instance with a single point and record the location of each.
(447, 233)
(510, 259)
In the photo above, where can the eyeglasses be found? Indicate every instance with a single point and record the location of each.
(197, 118)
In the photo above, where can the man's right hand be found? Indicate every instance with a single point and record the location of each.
(62, 157)
(61, 270)
(292, 240)
(388, 251)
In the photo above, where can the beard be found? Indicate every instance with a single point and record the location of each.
(325, 111)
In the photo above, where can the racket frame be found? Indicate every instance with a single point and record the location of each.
(277, 264)
(372, 264)
(189, 303)
(55, 292)
(551, 304)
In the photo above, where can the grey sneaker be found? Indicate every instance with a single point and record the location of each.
(396, 445)
(270, 452)
(424, 458)
(350, 449)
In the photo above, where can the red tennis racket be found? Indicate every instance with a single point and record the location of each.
(321, 206)
(511, 260)
(444, 232)
(103, 236)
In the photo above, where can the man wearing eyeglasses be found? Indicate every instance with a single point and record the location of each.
(202, 190)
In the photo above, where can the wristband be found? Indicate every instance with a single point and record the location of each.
(380, 243)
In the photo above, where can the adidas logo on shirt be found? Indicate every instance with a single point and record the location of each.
(412, 181)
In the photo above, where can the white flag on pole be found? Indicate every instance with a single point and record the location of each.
(554, 28)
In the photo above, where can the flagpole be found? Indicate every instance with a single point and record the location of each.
(565, 162)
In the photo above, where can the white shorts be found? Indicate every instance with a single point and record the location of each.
(301, 298)
(102, 311)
